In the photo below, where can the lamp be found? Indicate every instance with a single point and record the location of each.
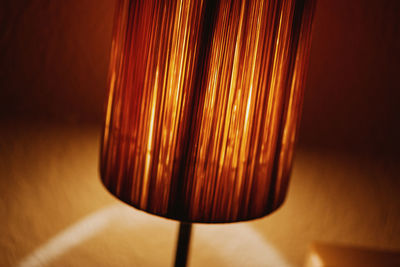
(204, 102)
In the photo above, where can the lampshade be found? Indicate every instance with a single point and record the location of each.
(204, 103)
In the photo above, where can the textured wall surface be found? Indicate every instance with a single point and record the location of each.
(53, 68)
(55, 211)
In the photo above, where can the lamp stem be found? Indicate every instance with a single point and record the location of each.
(182, 248)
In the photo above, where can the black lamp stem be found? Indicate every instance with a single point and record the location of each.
(182, 248)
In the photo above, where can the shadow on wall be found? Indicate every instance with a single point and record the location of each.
(351, 99)
(54, 60)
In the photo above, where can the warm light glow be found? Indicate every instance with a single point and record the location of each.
(314, 261)
(204, 103)
(233, 245)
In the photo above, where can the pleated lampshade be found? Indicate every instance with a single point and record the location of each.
(204, 103)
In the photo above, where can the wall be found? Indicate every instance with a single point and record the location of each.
(53, 68)
(54, 59)
(352, 96)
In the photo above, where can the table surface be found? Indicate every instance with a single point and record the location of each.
(323, 254)
(55, 211)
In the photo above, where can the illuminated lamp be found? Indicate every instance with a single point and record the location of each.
(204, 102)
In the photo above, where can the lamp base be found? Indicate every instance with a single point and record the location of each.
(182, 248)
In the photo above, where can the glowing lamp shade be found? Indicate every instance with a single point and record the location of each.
(204, 102)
